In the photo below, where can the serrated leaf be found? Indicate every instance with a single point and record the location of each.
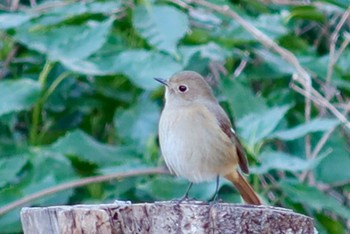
(161, 26)
(83, 146)
(79, 8)
(210, 51)
(242, 99)
(70, 11)
(275, 62)
(93, 66)
(315, 125)
(142, 66)
(18, 95)
(138, 123)
(9, 167)
(281, 161)
(335, 168)
(257, 126)
(272, 25)
(205, 17)
(232, 31)
(11, 20)
(313, 198)
(67, 43)
(60, 169)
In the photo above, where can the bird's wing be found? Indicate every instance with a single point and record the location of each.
(226, 127)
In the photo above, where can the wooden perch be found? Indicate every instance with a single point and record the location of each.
(164, 217)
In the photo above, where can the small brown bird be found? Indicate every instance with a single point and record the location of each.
(196, 137)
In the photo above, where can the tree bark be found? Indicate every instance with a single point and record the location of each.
(164, 217)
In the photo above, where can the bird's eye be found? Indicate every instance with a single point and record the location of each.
(182, 88)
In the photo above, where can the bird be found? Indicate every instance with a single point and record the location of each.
(196, 137)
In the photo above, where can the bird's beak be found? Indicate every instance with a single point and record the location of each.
(162, 81)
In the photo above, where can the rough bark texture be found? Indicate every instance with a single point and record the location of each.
(164, 217)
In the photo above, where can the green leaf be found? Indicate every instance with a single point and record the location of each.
(83, 146)
(306, 13)
(313, 198)
(340, 3)
(272, 25)
(60, 169)
(335, 167)
(139, 123)
(10, 223)
(330, 224)
(67, 43)
(315, 125)
(78, 8)
(233, 32)
(241, 99)
(142, 66)
(281, 161)
(169, 187)
(319, 66)
(18, 95)
(207, 18)
(275, 62)
(93, 65)
(257, 126)
(11, 20)
(10, 167)
(210, 51)
(157, 25)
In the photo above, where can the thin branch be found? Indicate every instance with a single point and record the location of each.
(240, 68)
(338, 184)
(265, 186)
(8, 60)
(304, 93)
(308, 173)
(48, 6)
(325, 137)
(32, 3)
(287, 2)
(80, 183)
(322, 142)
(181, 4)
(333, 56)
(14, 5)
(303, 77)
(342, 46)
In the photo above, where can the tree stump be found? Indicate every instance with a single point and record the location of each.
(164, 217)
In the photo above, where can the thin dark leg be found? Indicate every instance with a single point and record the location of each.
(216, 188)
(185, 197)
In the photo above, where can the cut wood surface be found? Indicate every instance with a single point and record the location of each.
(164, 217)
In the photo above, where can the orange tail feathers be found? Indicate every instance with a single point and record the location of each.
(246, 191)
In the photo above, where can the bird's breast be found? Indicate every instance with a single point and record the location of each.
(193, 144)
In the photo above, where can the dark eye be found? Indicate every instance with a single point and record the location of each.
(182, 88)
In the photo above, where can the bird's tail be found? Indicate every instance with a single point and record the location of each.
(246, 191)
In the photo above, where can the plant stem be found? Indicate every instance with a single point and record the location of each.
(33, 135)
(46, 95)
(53, 86)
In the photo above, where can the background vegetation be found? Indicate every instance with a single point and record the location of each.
(78, 99)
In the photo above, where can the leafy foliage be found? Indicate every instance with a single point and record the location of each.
(77, 99)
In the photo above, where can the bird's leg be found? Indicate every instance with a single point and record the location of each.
(185, 197)
(216, 189)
